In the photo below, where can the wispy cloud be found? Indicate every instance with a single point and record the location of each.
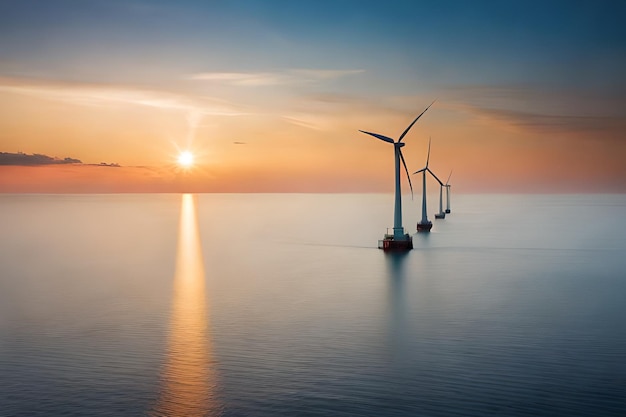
(555, 122)
(542, 110)
(306, 121)
(101, 94)
(242, 78)
(324, 74)
(290, 76)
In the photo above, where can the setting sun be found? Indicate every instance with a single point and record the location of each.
(185, 159)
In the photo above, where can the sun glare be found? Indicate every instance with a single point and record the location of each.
(185, 159)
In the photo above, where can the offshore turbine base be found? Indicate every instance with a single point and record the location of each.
(424, 227)
(389, 243)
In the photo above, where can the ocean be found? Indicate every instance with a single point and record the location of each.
(282, 305)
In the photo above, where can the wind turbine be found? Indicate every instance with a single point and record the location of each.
(399, 239)
(448, 193)
(425, 225)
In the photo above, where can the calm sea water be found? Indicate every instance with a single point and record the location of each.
(281, 305)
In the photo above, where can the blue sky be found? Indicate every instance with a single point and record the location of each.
(569, 43)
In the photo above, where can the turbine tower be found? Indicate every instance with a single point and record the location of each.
(399, 239)
(441, 214)
(447, 185)
(425, 225)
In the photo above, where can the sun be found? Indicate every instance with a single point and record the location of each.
(185, 159)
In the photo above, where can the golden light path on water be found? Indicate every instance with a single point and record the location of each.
(188, 379)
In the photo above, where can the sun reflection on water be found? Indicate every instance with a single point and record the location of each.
(188, 378)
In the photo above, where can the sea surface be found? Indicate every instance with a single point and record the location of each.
(281, 305)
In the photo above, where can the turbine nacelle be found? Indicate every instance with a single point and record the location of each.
(432, 174)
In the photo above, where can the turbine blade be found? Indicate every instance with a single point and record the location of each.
(376, 135)
(428, 157)
(449, 177)
(433, 174)
(411, 125)
(407, 172)
(421, 170)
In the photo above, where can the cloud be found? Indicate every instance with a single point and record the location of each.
(37, 159)
(241, 78)
(22, 159)
(104, 164)
(321, 74)
(541, 109)
(100, 94)
(290, 76)
(308, 121)
(555, 122)
(334, 98)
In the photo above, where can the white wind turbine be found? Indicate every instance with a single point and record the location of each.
(425, 225)
(399, 240)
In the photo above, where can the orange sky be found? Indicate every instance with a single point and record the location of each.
(310, 146)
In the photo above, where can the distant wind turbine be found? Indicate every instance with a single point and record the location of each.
(425, 225)
(399, 240)
(447, 185)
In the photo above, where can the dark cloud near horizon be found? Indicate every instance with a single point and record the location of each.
(104, 164)
(22, 159)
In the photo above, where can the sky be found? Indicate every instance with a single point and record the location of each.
(270, 95)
